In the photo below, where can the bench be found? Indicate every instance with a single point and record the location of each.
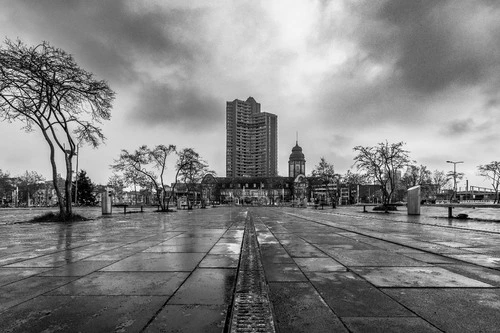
(450, 206)
(366, 205)
(125, 208)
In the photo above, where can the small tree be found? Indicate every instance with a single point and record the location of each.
(491, 171)
(326, 172)
(86, 190)
(439, 180)
(151, 163)
(191, 169)
(382, 163)
(43, 87)
(135, 179)
(352, 178)
(117, 183)
(6, 187)
(29, 183)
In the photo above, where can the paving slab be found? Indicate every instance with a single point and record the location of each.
(484, 274)
(388, 325)
(319, 265)
(350, 296)
(166, 262)
(299, 308)
(190, 318)
(81, 314)
(453, 310)
(9, 275)
(26, 289)
(206, 286)
(479, 259)
(220, 261)
(79, 268)
(417, 277)
(124, 283)
(282, 272)
(352, 258)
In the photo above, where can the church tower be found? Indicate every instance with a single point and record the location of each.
(296, 162)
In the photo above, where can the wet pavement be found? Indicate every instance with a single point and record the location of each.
(230, 269)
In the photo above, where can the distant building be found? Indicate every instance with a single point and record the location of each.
(296, 162)
(251, 140)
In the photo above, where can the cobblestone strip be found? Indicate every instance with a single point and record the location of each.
(251, 310)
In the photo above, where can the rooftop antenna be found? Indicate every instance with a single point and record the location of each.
(297, 137)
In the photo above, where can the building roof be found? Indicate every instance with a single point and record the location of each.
(297, 154)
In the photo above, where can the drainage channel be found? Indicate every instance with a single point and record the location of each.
(251, 311)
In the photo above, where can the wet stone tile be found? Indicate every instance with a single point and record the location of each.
(352, 258)
(319, 264)
(350, 296)
(479, 259)
(81, 314)
(190, 318)
(283, 272)
(187, 248)
(303, 250)
(124, 283)
(478, 273)
(452, 309)
(430, 258)
(220, 261)
(17, 257)
(23, 290)
(299, 308)
(416, 277)
(388, 325)
(167, 262)
(9, 275)
(234, 248)
(206, 286)
(79, 268)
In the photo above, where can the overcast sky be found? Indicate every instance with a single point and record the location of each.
(341, 73)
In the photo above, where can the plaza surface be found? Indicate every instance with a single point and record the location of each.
(238, 268)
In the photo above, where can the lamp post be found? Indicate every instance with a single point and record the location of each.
(454, 176)
(76, 173)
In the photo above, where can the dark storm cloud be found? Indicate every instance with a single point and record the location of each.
(110, 36)
(162, 105)
(437, 44)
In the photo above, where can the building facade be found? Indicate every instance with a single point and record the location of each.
(251, 140)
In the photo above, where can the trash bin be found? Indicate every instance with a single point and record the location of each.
(107, 201)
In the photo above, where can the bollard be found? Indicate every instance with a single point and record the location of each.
(413, 204)
(106, 201)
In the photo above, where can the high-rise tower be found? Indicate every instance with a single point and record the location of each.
(251, 140)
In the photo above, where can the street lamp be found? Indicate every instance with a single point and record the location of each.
(454, 176)
(76, 173)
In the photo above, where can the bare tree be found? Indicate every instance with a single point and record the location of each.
(191, 168)
(43, 87)
(439, 180)
(326, 173)
(151, 164)
(491, 171)
(29, 183)
(382, 163)
(117, 183)
(416, 175)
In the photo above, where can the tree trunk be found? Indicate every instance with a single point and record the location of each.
(68, 185)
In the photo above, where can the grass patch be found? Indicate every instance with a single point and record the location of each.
(56, 217)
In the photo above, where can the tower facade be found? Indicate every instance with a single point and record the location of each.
(296, 162)
(251, 140)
